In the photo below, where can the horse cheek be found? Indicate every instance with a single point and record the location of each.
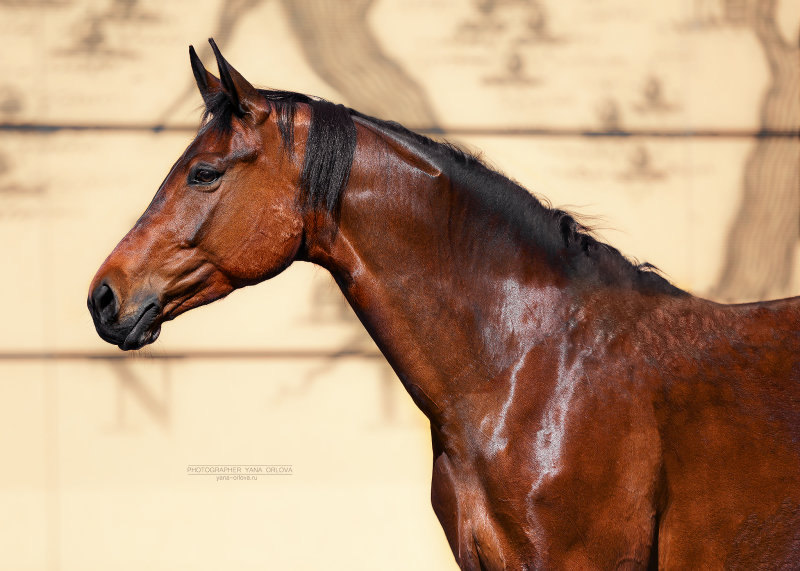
(281, 240)
(272, 241)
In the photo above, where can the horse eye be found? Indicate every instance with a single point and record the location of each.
(204, 175)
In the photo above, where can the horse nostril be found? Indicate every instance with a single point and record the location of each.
(104, 302)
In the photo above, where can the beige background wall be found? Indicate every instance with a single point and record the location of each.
(644, 113)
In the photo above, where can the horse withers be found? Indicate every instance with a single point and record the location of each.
(585, 413)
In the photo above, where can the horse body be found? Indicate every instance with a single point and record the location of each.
(584, 412)
(568, 422)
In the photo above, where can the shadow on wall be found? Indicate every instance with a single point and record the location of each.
(340, 53)
(760, 255)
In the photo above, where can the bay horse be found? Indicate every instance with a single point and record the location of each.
(584, 412)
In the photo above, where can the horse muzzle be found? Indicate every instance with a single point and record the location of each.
(132, 331)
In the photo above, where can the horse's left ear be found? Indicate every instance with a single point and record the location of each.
(208, 85)
(245, 98)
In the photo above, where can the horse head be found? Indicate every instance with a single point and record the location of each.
(228, 214)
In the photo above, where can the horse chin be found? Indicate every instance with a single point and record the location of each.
(144, 331)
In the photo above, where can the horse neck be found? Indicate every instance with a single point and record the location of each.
(450, 295)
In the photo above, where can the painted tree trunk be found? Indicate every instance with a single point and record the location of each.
(762, 240)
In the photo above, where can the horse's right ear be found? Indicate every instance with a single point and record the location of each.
(208, 85)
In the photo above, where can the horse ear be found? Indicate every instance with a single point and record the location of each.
(245, 98)
(208, 85)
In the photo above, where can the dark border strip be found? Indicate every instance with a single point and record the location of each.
(652, 133)
(147, 355)
(47, 128)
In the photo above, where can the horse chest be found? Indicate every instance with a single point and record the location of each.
(468, 515)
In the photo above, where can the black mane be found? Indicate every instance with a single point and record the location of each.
(329, 156)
